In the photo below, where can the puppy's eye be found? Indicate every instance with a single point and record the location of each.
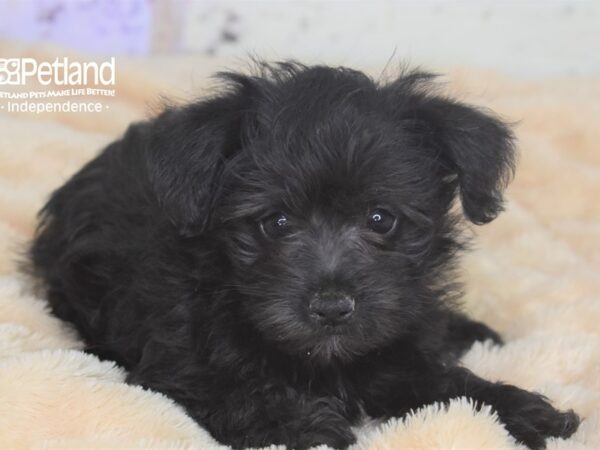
(381, 221)
(275, 226)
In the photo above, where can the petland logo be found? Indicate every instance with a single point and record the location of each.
(60, 72)
(67, 86)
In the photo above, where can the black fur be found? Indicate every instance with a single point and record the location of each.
(170, 255)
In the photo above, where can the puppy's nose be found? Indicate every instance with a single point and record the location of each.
(332, 307)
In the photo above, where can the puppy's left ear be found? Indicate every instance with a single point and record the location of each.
(473, 146)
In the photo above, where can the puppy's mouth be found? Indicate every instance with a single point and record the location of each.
(334, 329)
(328, 330)
(331, 341)
(333, 346)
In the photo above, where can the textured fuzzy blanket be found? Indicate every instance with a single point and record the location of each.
(534, 275)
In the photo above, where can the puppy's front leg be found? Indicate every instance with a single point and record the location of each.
(254, 413)
(528, 416)
(296, 421)
(462, 333)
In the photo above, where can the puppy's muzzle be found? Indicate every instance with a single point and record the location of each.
(331, 308)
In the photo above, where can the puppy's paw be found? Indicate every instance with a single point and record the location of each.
(332, 435)
(340, 438)
(531, 419)
(323, 424)
(309, 423)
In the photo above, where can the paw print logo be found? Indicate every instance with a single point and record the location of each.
(9, 71)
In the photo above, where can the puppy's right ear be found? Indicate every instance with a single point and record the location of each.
(186, 155)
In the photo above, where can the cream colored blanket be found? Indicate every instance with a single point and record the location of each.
(535, 274)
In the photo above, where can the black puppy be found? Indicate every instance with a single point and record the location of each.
(279, 258)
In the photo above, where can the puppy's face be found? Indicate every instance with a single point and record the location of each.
(328, 232)
(333, 204)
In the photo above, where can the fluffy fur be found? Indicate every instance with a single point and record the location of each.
(158, 252)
